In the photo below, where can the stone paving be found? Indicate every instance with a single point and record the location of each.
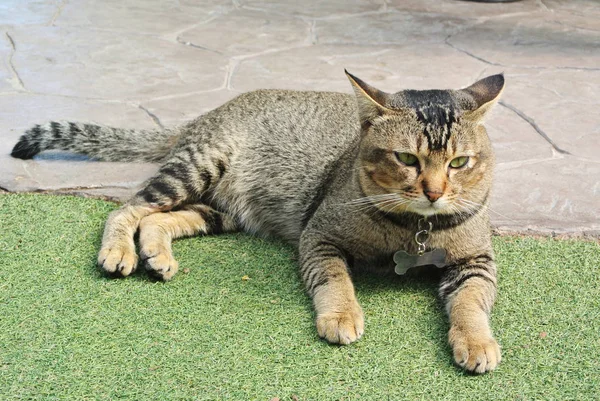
(148, 63)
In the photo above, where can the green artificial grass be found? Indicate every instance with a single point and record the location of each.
(67, 332)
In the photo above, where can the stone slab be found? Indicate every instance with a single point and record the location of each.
(390, 28)
(564, 104)
(542, 40)
(61, 173)
(582, 14)
(246, 32)
(316, 9)
(465, 9)
(108, 65)
(19, 111)
(552, 196)
(21, 13)
(8, 80)
(390, 68)
(148, 17)
(162, 62)
(514, 139)
(174, 110)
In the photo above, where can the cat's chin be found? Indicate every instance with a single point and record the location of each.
(427, 212)
(431, 209)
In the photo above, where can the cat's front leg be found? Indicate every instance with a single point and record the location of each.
(468, 289)
(325, 274)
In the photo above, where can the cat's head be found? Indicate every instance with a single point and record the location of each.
(427, 151)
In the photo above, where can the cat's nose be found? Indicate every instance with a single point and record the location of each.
(433, 195)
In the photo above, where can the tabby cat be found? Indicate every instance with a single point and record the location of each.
(349, 180)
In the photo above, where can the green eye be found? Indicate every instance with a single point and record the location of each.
(407, 158)
(459, 162)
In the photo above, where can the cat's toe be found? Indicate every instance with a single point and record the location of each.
(159, 263)
(341, 327)
(119, 259)
(475, 354)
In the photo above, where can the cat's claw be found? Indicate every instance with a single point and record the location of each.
(159, 262)
(475, 354)
(341, 327)
(120, 260)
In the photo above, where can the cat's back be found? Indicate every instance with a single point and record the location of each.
(295, 115)
(282, 121)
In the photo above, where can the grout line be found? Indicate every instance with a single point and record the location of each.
(21, 85)
(314, 39)
(190, 44)
(231, 68)
(447, 41)
(544, 6)
(536, 127)
(151, 115)
(524, 67)
(58, 12)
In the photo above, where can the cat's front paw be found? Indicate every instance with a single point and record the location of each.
(118, 258)
(475, 353)
(342, 327)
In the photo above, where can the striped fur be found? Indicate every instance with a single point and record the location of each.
(98, 142)
(322, 171)
(468, 290)
(159, 229)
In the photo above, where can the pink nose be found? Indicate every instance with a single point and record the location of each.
(433, 195)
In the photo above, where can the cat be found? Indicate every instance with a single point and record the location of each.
(349, 180)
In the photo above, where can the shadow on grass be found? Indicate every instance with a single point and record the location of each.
(420, 285)
(272, 268)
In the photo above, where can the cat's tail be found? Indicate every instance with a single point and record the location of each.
(99, 142)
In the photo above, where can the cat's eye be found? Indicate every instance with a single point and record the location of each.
(407, 158)
(459, 162)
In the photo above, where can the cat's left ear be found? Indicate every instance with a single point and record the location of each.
(485, 94)
(371, 101)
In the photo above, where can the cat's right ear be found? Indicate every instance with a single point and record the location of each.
(371, 101)
(485, 94)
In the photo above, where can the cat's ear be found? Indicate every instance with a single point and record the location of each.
(485, 94)
(371, 101)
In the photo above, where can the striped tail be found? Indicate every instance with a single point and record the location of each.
(99, 142)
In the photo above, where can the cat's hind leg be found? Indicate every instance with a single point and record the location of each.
(117, 255)
(158, 230)
(181, 180)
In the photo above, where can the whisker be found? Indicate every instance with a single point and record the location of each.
(368, 205)
(393, 205)
(374, 197)
(389, 204)
(472, 203)
(370, 199)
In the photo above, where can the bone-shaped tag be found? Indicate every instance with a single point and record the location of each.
(405, 261)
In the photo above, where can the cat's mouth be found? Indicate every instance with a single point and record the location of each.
(426, 208)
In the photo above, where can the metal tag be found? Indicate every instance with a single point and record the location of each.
(405, 261)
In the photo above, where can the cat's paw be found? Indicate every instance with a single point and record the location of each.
(158, 261)
(475, 353)
(118, 258)
(341, 327)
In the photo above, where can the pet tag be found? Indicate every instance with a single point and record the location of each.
(405, 261)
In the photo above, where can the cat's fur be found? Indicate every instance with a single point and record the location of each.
(320, 170)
